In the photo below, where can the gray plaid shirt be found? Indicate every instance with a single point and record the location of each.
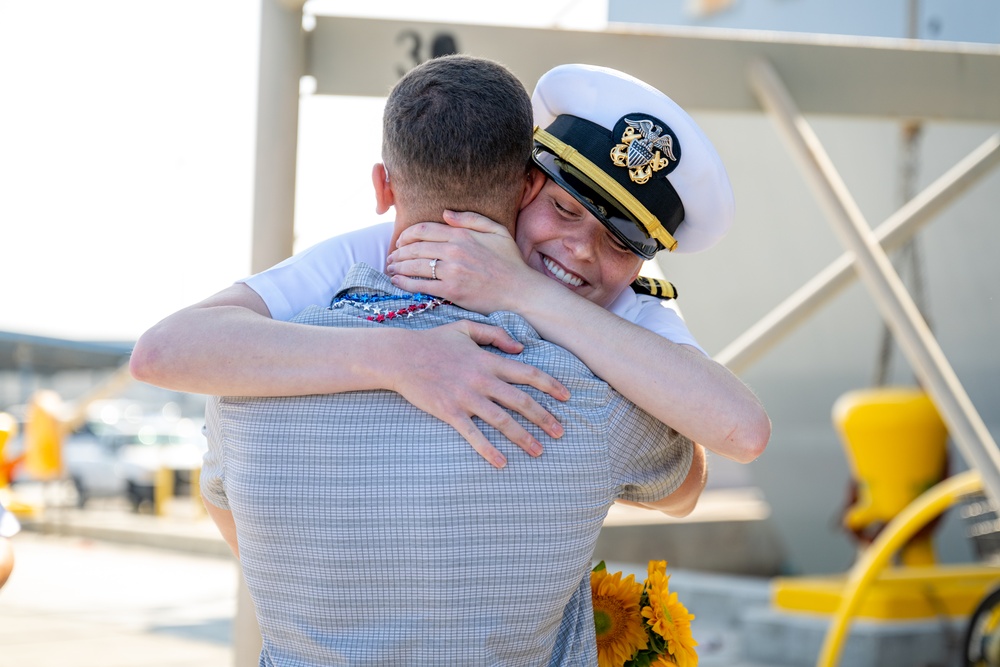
(371, 533)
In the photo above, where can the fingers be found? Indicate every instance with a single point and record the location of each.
(414, 261)
(487, 334)
(437, 233)
(417, 285)
(513, 371)
(475, 437)
(459, 381)
(522, 403)
(421, 250)
(415, 267)
(508, 372)
(491, 414)
(473, 221)
(433, 232)
(498, 388)
(486, 400)
(499, 419)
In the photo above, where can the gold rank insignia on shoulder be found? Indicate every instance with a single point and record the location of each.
(644, 148)
(661, 289)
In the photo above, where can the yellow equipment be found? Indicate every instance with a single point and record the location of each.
(8, 431)
(43, 436)
(49, 420)
(896, 446)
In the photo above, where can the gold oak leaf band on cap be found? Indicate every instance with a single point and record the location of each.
(570, 155)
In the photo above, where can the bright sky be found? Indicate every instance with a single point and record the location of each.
(127, 147)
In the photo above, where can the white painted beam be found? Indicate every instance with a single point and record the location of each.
(699, 68)
(282, 64)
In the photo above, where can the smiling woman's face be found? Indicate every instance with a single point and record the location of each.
(560, 238)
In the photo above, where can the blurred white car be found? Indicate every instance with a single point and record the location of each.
(116, 457)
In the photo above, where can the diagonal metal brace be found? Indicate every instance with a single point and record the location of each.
(883, 283)
(894, 232)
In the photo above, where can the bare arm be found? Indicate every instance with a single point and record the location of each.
(227, 527)
(676, 384)
(481, 269)
(229, 345)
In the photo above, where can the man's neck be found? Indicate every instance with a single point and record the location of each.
(405, 221)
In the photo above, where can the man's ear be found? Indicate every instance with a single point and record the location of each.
(533, 183)
(384, 197)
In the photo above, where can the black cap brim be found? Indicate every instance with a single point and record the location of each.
(624, 228)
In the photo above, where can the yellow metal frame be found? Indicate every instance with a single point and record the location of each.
(895, 534)
(899, 593)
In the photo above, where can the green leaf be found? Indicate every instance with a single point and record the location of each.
(600, 567)
(641, 660)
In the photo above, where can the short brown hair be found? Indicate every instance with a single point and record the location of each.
(457, 133)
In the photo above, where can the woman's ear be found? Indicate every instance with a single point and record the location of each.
(533, 183)
(384, 197)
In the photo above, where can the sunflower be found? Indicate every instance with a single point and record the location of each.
(668, 617)
(619, 625)
(664, 661)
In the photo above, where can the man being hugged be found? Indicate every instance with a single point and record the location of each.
(367, 533)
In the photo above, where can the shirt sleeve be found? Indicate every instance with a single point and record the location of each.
(213, 464)
(313, 276)
(649, 459)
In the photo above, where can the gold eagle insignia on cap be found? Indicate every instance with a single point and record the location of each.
(640, 149)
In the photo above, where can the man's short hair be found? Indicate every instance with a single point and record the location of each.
(458, 130)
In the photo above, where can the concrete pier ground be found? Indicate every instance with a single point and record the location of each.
(86, 602)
